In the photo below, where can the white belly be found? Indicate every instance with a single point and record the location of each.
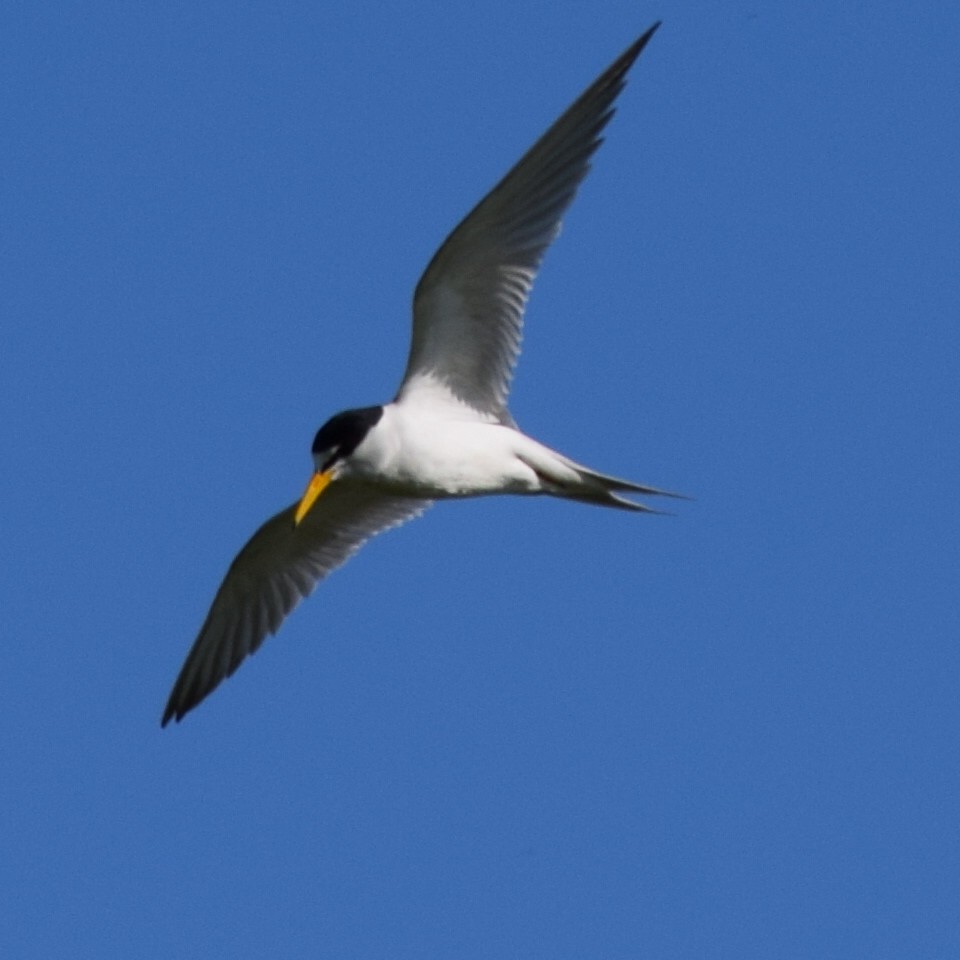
(436, 456)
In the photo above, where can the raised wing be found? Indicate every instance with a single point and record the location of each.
(468, 306)
(278, 567)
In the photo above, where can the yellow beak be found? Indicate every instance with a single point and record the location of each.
(318, 483)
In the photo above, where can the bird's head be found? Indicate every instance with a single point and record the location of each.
(335, 441)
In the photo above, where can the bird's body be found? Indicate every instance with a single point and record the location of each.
(429, 453)
(441, 454)
(448, 432)
(441, 457)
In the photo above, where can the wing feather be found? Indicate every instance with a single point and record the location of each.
(468, 306)
(279, 566)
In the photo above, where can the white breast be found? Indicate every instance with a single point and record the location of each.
(437, 452)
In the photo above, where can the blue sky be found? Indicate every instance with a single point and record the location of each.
(514, 728)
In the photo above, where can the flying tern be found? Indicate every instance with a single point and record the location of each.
(448, 432)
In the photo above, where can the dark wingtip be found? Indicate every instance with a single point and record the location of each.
(177, 707)
(643, 40)
(617, 70)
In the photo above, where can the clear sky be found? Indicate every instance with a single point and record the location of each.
(515, 728)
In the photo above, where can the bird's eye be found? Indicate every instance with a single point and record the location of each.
(331, 458)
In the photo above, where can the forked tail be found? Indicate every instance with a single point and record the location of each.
(604, 490)
(562, 477)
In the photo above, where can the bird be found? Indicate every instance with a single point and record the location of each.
(448, 432)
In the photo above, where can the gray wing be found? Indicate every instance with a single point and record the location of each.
(278, 567)
(468, 306)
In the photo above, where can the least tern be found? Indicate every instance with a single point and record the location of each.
(448, 432)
